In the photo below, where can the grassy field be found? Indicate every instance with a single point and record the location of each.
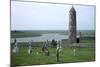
(66, 56)
(25, 33)
(19, 34)
(83, 54)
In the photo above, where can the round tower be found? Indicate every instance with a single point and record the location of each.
(72, 33)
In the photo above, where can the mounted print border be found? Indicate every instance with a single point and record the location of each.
(51, 33)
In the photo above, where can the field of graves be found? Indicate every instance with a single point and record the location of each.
(84, 53)
(66, 56)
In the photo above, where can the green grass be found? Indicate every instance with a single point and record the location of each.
(66, 56)
(19, 34)
(26, 33)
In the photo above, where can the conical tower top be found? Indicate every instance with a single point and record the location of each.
(72, 9)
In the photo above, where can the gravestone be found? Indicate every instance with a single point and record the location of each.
(30, 48)
(80, 36)
(16, 49)
(14, 40)
(59, 46)
(45, 49)
(59, 49)
(74, 52)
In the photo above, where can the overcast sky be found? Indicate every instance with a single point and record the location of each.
(44, 16)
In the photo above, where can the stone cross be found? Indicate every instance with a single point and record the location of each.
(30, 48)
(16, 49)
(59, 49)
(45, 48)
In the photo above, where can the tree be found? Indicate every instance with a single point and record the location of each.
(54, 43)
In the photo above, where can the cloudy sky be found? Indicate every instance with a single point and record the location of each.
(44, 16)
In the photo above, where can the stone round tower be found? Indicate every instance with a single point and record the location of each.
(72, 33)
